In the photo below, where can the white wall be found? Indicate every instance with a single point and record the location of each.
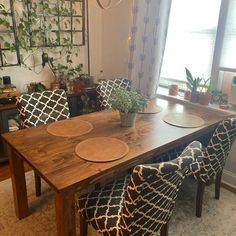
(116, 24)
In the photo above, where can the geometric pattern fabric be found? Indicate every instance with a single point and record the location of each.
(42, 108)
(214, 154)
(140, 203)
(106, 87)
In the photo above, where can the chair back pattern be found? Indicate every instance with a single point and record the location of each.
(42, 108)
(152, 191)
(106, 87)
(216, 152)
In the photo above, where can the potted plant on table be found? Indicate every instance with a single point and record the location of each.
(128, 103)
(193, 84)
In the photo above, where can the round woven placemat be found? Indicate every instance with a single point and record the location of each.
(69, 128)
(183, 120)
(101, 149)
(151, 108)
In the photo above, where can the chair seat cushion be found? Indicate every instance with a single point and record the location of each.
(102, 207)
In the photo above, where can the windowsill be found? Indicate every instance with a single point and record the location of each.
(163, 93)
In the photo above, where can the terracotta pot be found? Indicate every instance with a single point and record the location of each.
(204, 99)
(79, 86)
(173, 89)
(127, 119)
(194, 97)
(187, 95)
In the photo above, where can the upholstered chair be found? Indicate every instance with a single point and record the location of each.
(213, 161)
(105, 89)
(140, 203)
(42, 108)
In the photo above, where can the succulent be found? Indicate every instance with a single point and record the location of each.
(192, 83)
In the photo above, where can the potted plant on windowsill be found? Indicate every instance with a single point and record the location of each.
(193, 84)
(128, 103)
(205, 96)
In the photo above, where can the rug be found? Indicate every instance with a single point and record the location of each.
(218, 217)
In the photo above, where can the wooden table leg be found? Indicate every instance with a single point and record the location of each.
(18, 183)
(65, 213)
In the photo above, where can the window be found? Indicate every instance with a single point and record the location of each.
(202, 37)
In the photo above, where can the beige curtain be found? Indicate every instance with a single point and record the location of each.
(147, 44)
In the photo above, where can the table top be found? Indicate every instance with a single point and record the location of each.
(55, 159)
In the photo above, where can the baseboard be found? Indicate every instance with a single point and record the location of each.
(229, 180)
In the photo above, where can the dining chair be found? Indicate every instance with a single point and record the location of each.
(213, 160)
(42, 108)
(106, 87)
(140, 203)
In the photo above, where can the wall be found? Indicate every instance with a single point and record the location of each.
(21, 76)
(116, 23)
(229, 175)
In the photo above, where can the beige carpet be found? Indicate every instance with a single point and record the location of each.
(219, 217)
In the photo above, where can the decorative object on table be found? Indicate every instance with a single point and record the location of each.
(216, 96)
(183, 120)
(128, 103)
(36, 87)
(173, 90)
(151, 108)
(101, 149)
(140, 203)
(42, 108)
(193, 84)
(69, 128)
(105, 89)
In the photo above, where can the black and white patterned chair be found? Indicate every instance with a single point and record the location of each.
(42, 108)
(105, 88)
(213, 161)
(214, 158)
(140, 203)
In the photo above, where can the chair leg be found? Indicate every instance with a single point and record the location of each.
(83, 226)
(37, 180)
(217, 185)
(164, 230)
(199, 199)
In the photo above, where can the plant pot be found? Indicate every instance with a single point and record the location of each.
(127, 119)
(204, 99)
(187, 95)
(173, 90)
(55, 85)
(194, 97)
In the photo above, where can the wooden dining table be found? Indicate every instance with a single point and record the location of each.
(55, 160)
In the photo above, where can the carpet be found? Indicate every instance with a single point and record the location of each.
(218, 218)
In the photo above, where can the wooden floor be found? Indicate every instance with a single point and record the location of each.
(5, 171)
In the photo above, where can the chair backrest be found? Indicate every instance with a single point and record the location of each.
(105, 88)
(217, 150)
(42, 108)
(152, 192)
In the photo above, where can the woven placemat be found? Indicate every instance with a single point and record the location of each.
(183, 120)
(151, 108)
(69, 128)
(101, 149)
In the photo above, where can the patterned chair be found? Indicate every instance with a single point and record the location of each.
(105, 88)
(213, 161)
(42, 108)
(137, 204)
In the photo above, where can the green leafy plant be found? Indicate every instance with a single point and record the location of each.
(40, 26)
(192, 83)
(127, 101)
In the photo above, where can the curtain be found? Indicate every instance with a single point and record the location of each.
(147, 43)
